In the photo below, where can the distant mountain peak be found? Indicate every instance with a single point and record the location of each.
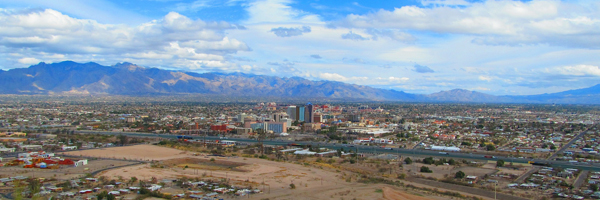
(462, 95)
(127, 66)
(126, 78)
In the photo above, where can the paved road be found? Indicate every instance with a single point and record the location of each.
(527, 174)
(580, 179)
(564, 147)
(370, 149)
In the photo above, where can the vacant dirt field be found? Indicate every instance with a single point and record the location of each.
(274, 178)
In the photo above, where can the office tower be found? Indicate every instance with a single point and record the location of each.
(292, 113)
(308, 113)
(300, 113)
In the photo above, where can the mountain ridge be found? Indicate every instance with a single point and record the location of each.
(126, 78)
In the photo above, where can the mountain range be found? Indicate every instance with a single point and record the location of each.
(71, 78)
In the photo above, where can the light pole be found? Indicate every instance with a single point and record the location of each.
(495, 184)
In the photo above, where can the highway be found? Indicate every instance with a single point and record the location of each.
(372, 149)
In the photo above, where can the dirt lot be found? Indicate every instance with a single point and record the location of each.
(274, 178)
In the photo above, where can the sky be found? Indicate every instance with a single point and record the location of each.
(417, 46)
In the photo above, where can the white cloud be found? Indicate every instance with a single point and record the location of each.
(577, 70)
(353, 36)
(391, 34)
(338, 77)
(444, 2)
(289, 32)
(277, 11)
(493, 22)
(29, 61)
(175, 40)
(389, 80)
(485, 78)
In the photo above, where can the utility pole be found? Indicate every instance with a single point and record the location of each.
(495, 184)
(357, 155)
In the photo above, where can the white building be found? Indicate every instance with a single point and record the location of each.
(81, 163)
(444, 148)
(7, 150)
(64, 148)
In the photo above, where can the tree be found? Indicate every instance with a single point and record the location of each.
(459, 175)
(132, 180)
(594, 187)
(408, 161)
(452, 162)
(490, 147)
(122, 139)
(19, 187)
(500, 163)
(34, 186)
(426, 169)
(402, 176)
(428, 160)
(292, 186)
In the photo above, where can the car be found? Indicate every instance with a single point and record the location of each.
(389, 148)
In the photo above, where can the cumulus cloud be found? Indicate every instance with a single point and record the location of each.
(338, 77)
(485, 78)
(29, 61)
(422, 69)
(289, 32)
(277, 11)
(315, 56)
(577, 70)
(391, 34)
(353, 36)
(492, 22)
(444, 2)
(173, 40)
(392, 80)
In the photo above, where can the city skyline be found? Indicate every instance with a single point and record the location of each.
(495, 47)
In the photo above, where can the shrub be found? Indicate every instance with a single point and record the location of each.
(460, 175)
(500, 163)
(402, 176)
(428, 160)
(426, 169)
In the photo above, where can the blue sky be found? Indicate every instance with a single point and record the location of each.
(417, 46)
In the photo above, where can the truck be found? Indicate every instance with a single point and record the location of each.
(489, 156)
(184, 137)
(539, 163)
